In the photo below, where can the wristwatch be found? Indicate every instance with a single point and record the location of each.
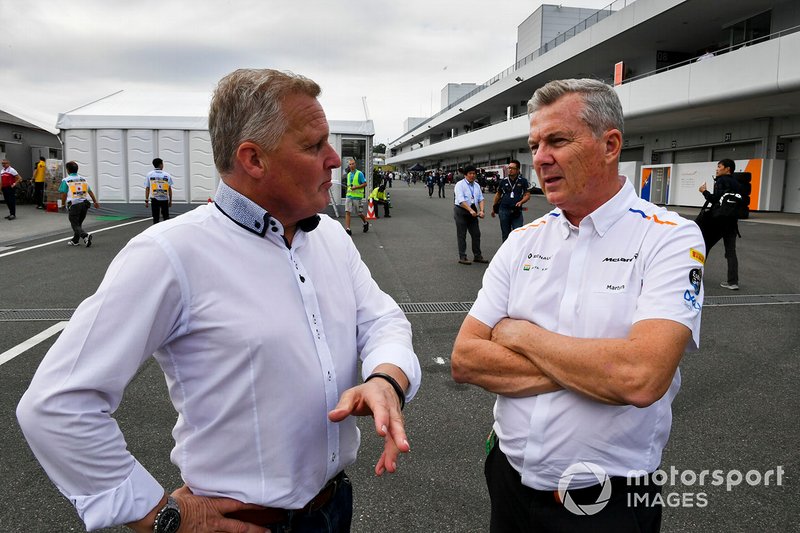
(168, 519)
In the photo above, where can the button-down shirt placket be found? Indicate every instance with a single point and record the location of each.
(313, 315)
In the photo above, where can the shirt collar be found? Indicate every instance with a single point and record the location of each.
(602, 218)
(607, 214)
(251, 216)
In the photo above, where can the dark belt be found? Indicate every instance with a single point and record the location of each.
(266, 516)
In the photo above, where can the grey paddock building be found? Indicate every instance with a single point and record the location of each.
(699, 81)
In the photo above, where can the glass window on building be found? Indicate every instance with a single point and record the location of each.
(751, 29)
(632, 154)
(736, 151)
(692, 155)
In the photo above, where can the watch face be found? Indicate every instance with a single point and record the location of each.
(168, 521)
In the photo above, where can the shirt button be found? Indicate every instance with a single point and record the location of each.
(333, 457)
(257, 224)
(274, 228)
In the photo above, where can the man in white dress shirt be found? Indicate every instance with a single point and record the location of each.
(258, 316)
(579, 327)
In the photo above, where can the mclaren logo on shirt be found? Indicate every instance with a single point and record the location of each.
(621, 259)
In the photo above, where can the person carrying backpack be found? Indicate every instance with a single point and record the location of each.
(720, 221)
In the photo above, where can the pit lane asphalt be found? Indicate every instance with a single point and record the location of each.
(737, 408)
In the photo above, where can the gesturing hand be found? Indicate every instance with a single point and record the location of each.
(377, 398)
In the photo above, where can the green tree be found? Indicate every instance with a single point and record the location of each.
(379, 149)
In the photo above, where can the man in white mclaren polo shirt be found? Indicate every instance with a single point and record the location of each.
(579, 328)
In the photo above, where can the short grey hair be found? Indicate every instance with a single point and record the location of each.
(247, 106)
(602, 109)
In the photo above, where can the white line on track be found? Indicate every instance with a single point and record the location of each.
(30, 343)
(61, 240)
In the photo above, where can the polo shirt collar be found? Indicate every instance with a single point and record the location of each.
(251, 216)
(605, 216)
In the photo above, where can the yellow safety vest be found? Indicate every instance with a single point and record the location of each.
(352, 180)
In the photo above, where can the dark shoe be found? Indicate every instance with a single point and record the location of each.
(348, 231)
(465, 261)
(72, 243)
(11, 217)
(366, 227)
(480, 259)
(387, 216)
(88, 240)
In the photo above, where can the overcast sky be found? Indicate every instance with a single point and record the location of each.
(60, 54)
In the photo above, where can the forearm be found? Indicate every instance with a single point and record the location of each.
(499, 370)
(636, 370)
(493, 367)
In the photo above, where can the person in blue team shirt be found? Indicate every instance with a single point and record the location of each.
(468, 209)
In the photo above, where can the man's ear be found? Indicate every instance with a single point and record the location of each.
(613, 144)
(252, 159)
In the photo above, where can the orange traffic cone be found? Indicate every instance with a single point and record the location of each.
(371, 211)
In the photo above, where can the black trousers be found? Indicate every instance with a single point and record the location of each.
(467, 223)
(520, 509)
(77, 214)
(713, 230)
(10, 196)
(385, 205)
(159, 207)
(38, 193)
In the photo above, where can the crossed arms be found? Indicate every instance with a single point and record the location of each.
(517, 358)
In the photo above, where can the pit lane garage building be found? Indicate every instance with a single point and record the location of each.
(699, 81)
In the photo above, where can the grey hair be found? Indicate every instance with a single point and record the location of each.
(602, 109)
(247, 106)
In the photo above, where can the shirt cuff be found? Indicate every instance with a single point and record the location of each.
(128, 502)
(400, 356)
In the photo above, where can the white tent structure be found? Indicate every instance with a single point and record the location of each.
(115, 139)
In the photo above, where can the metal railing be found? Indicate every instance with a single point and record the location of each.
(731, 48)
(585, 24)
(763, 38)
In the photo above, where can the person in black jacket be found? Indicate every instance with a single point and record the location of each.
(716, 226)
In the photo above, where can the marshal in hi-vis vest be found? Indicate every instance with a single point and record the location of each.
(352, 180)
